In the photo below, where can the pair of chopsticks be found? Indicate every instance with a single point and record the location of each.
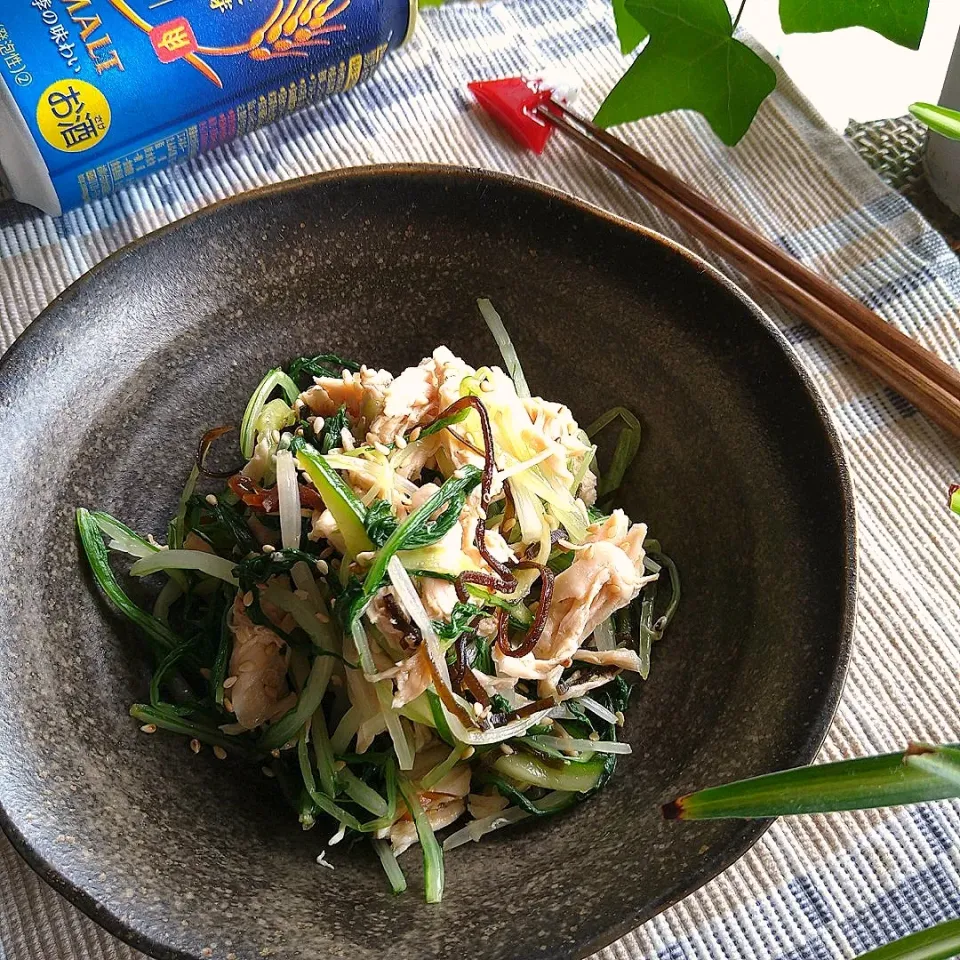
(914, 372)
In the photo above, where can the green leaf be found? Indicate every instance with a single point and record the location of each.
(937, 943)
(630, 31)
(955, 498)
(943, 762)
(901, 21)
(691, 62)
(326, 364)
(940, 120)
(882, 781)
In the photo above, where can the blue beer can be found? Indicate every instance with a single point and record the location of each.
(97, 93)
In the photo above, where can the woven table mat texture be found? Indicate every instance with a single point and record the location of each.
(811, 889)
(895, 148)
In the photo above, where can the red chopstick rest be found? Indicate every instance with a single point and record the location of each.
(512, 102)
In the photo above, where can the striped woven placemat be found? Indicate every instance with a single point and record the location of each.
(812, 889)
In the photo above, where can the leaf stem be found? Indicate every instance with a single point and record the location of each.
(736, 19)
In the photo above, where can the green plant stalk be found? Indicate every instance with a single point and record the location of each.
(943, 762)
(936, 943)
(391, 868)
(273, 379)
(175, 532)
(362, 794)
(432, 852)
(323, 802)
(939, 119)
(339, 499)
(881, 781)
(219, 672)
(433, 776)
(165, 666)
(162, 639)
(323, 753)
(146, 713)
(287, 727)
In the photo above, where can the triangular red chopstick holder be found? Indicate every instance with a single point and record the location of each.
(512, 102)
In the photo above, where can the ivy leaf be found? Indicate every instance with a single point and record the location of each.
(690, 62)
(901, 21)
(630, 31)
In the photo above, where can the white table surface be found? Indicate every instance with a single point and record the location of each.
(856, 74)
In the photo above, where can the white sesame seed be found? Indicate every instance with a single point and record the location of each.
(149, 728)
(506, 749)
(619, 716)
(269, 548)
(478, 708)
(267, 772)
(366, 556)
(318, 423)
(594, 736)
(346, 438)
(322, 567)
(338, 765)
(219, 752)
(414, 434)
(381, 448)
(195, 745)
(275, 436)
(399, 443)
(275, 753)
(248, 598)
(228, 704)
(322, 617)
(229, 682)
(211, 499)
(301, 594)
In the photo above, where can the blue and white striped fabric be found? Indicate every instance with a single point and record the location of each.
(813, 889)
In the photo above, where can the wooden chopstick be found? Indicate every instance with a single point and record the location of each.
(929, 383)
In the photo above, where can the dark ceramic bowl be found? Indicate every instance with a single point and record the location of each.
(739, 474)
